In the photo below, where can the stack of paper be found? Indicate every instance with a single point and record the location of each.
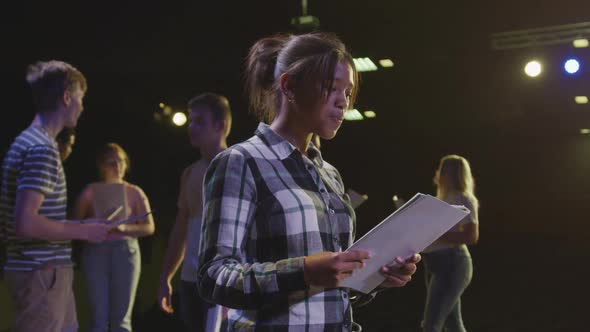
(407, 231)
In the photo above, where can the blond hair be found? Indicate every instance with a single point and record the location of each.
(454, 176)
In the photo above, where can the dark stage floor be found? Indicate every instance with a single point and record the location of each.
(522, 282)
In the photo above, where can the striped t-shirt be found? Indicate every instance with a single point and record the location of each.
(33, 162)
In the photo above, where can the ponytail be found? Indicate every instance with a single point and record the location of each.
(260, 72)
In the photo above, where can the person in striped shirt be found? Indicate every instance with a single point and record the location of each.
(277, 220)
(38, 267)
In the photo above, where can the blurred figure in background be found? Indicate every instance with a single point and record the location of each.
(447, 262)
(112, 268)
(65, 142)
(38, 266)
(209, 126)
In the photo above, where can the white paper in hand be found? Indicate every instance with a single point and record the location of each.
(407, 231)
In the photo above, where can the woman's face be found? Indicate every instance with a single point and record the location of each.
(326, 118)
(114, 166)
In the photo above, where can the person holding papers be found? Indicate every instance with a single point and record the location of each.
(447, 261)
(33, 196)
(112, 268)
(276, 216)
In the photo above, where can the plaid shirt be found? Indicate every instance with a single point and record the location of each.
(266, 206)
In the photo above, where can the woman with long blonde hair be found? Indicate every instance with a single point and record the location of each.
(447, 262)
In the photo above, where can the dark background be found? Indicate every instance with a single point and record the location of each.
(448, 92)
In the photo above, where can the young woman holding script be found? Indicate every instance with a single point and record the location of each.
(112, 268)
(277, 221)
(447, 261)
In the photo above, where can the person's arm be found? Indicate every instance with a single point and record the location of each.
(83, 207)
(28, 222)
(38, 178)
(174, 252)
(467, 232)
(227, 275)
(172, 259)
(464, 234)
(140, 206)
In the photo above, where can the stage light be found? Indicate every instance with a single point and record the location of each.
(369, 114)
(386, 63)
(179, 119)
(571, 66)
(162, 105)
(584, 131)
(352, 115)
(581, 100)
(533, 68)
(364, 64)
(580, 43)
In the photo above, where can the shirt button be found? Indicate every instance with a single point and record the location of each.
(344, 295)
(331, 211)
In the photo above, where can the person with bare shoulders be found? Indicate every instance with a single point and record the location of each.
(209, 126)
(112, 268)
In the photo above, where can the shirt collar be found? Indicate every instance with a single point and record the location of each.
(283, 148)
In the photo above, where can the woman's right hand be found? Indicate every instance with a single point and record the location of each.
(328, 269)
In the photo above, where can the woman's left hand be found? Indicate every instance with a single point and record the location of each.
(400, 272)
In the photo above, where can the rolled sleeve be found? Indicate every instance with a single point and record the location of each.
(228, 275)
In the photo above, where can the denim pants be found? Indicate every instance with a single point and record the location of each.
(447, 274)
(111, 270)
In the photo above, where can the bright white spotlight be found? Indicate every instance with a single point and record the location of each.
(581, 100)
(533, 68)
(179, 119)
(571, 66)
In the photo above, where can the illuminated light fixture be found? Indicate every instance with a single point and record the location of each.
(580, 43)
(533, 68)
(581, 100)
(395, 198)
(353, 115)
(364, 64)
(584, 131)
(179, 119)
(369, 114)
(571, 66)
(167, 110)
(162, 105)
(386, 63)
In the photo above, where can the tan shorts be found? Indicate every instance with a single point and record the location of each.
(43, 299)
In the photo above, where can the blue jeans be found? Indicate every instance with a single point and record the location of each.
(447, 274)
(111, 270)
